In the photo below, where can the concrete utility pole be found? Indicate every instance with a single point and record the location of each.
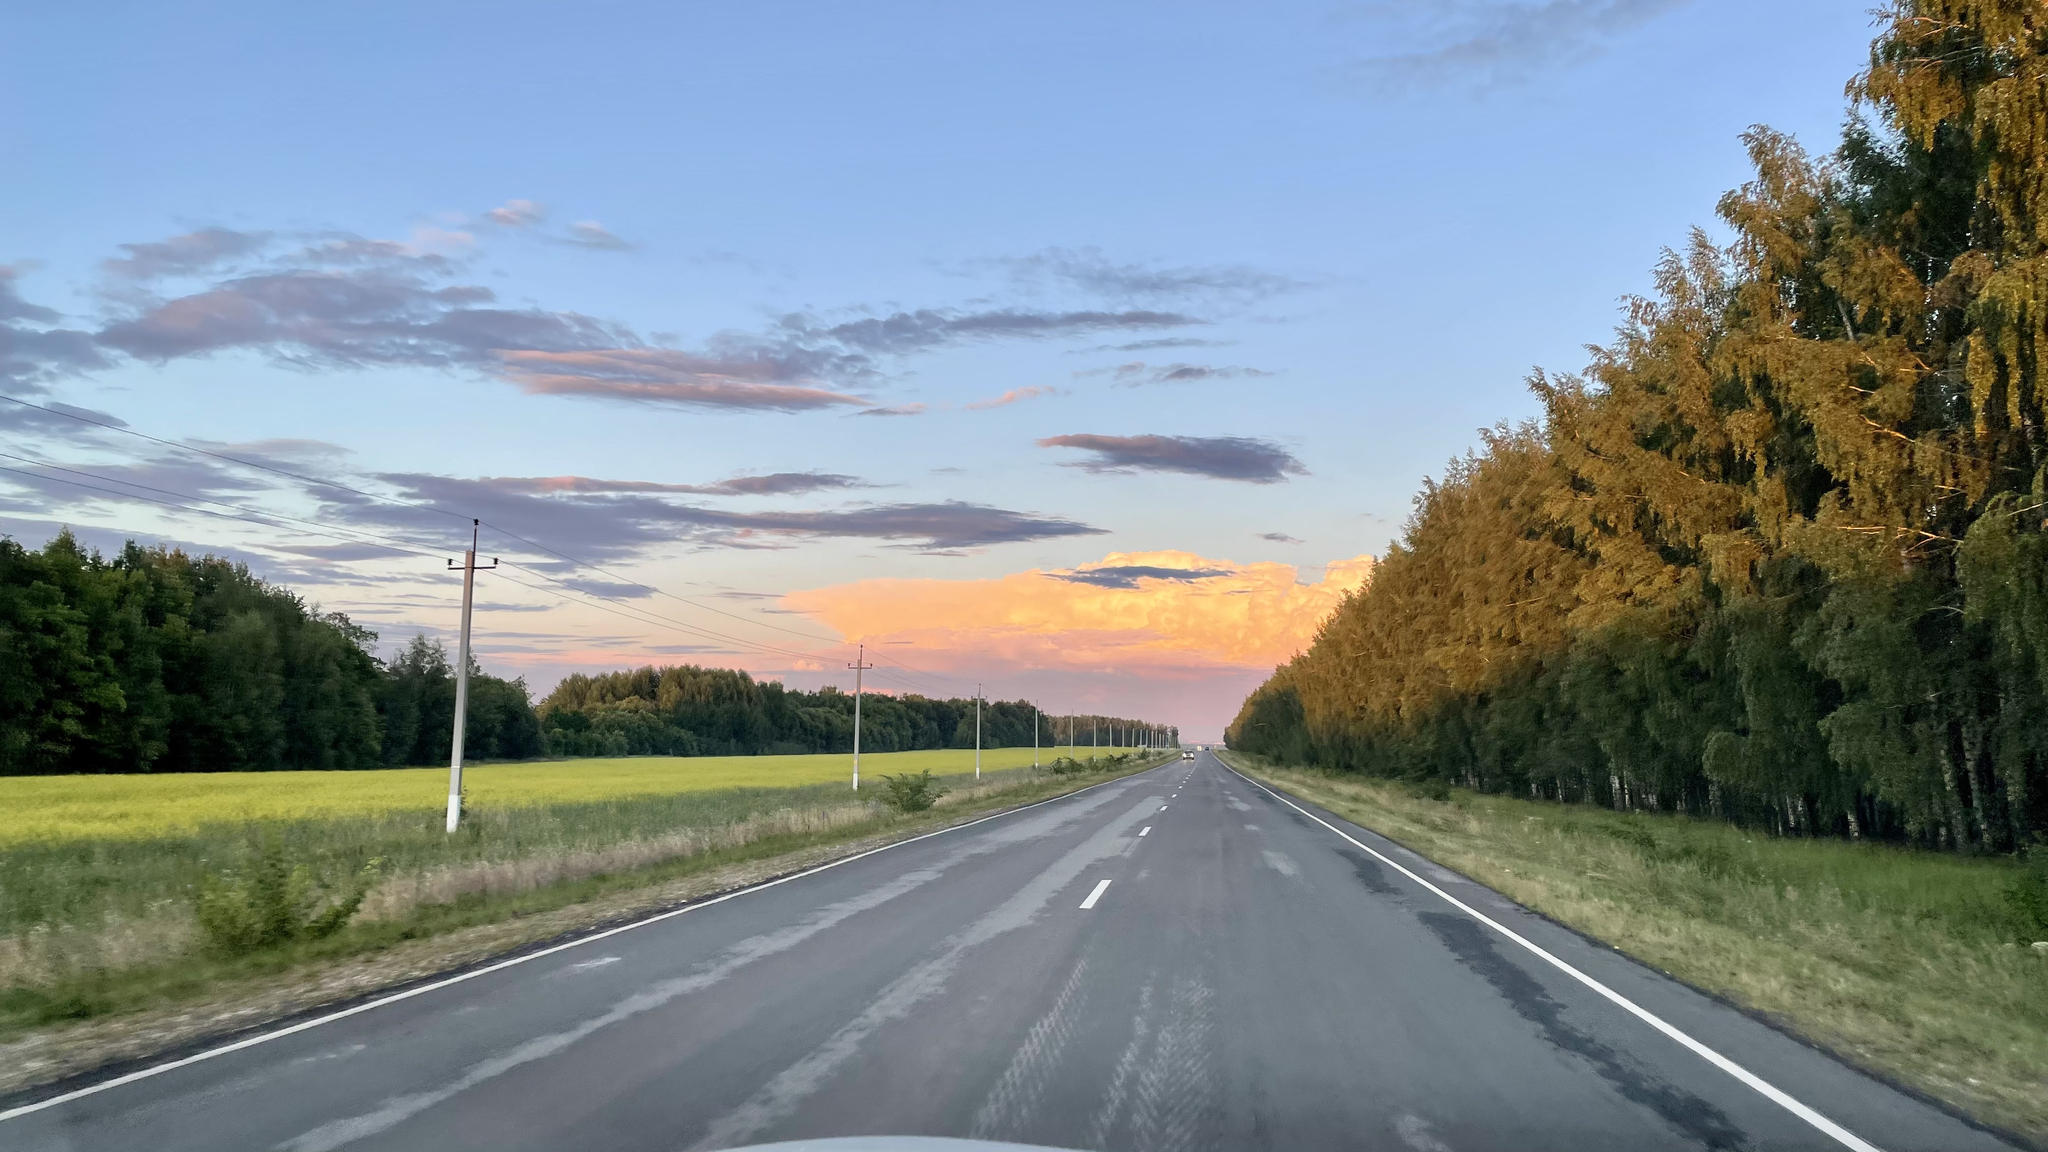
(860, 664)
(977, 731)
(1034, 733)
(469, 571)
(1094, 735)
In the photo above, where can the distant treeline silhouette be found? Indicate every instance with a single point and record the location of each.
(690, 711)
(1780, 556)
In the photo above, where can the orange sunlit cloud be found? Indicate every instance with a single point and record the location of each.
(1148, 613)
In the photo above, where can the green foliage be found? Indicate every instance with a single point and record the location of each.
(2027, 900)
(274, 900)
(908, 793)
(1780, 557)
(685, 710)
(154, 661)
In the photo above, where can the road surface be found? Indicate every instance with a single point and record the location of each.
(1175, 960)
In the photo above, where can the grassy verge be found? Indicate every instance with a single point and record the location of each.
(100, 958)
(1912, 964)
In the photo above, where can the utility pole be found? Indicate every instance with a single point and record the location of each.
(860, 664)
(469, 571)
(1094, 736)
(977, 731)
(1034, 733)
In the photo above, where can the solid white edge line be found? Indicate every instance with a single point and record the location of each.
(1842, 1135)
(1095, 895)
(345, 1013)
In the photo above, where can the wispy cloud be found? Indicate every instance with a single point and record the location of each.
(1217, 457)
(773, 484)
(1139, 373)
(893, 410)
(337, 300)
(1013, 396)
(1093, 272)
(517, 214)
(668, 376)
(619, 520)
(33, 349)
(591, 234)
(1128, 575)
(1490, 43)
(1281, 538)
(1163, 342)
(184, 255)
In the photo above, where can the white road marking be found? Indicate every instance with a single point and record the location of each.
(1142, 831)
(1095, 895)
(1770, 1091)
(600, 962)
(345, 1013)
(1162, 807)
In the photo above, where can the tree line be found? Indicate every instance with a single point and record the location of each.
(686, 710)
(1779, 556)
(156, 661)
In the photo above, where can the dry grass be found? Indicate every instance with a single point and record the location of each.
(1905, 962)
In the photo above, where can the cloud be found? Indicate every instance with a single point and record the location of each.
(517, 214)
(327, 318)
(901, 333)
(184, 255)
(343, 301)
(1201, 614)
(1138, 373)
(591, 234)
(601, 521)
(1128, 575)
(1281, 538)
(773, 484)
(32, 352)
(1217, 457)
(1490, 43)
(1163, 342)
(667, 376)
(1089, 270)
(784, 483)
(1011, 397)
(893, 410)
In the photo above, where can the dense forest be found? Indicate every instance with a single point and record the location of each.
(691, 711)
(153, 661)
(1779, 556)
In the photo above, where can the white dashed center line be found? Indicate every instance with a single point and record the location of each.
(1095, 895)
(1142, 831)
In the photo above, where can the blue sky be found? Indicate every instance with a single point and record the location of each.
(1257, 269)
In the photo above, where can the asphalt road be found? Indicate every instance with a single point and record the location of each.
(1175, 960)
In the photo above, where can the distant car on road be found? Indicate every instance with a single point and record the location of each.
(1187, 754)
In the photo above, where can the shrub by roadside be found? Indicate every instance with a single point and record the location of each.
(1914, 964)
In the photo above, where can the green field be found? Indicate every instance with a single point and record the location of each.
(99, 874)
(55, 809)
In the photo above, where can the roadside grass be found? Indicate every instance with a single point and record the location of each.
(147, 805)
(93, 927)
(1911, 963)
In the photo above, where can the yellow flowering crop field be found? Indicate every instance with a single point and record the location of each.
(137, 807)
